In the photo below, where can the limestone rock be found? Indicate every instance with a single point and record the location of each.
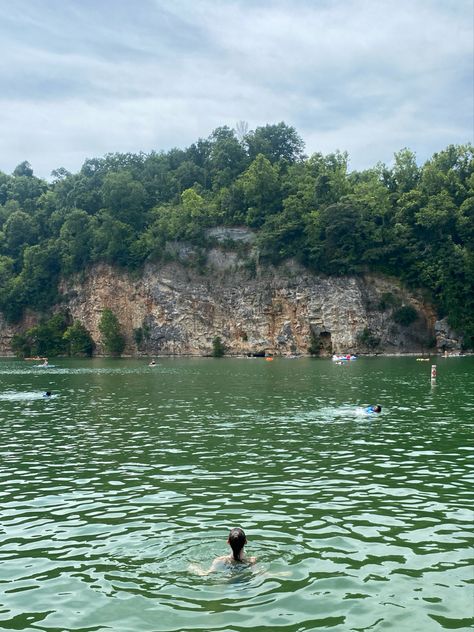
(446, 338)
(179, 310)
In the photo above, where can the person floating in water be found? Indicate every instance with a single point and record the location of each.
(152, 363)
(237, 541)
(47, 394)
(374, 409)
(45, 362)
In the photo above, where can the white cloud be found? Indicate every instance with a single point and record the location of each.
(83, 79)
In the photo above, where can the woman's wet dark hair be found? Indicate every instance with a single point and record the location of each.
(237, 541)
(377, 408)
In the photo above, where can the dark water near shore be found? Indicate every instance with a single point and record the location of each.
(116, 491)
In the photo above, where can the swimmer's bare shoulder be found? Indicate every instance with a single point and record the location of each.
(220, 563)
(225, 560)
(236, 540)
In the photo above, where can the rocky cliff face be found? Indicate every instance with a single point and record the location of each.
(267, 311)
(178, 310)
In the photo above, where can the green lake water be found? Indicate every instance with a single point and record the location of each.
(115, 492)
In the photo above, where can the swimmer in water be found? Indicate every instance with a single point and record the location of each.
(374, 409)
(236, 540)
(47, 394)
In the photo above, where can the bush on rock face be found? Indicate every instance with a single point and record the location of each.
(112, 338)
(368, 339)
(405, 315)
(79, 340)
(217, 348)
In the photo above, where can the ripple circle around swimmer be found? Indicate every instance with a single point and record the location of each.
(117, 491)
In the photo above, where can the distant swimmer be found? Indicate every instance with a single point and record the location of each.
(47, 394)
(237, 541)
(152, 363)
(374, 409)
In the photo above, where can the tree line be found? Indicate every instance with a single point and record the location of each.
(60, 336)
(414, 222)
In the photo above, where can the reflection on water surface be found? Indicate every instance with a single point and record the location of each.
(130, 477)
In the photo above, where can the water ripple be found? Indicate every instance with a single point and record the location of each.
(117, 494)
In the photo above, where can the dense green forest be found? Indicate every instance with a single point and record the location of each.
(415, 222)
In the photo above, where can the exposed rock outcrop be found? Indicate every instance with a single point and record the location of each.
(283, 310)
(446, 337)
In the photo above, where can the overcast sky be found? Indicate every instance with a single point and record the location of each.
(81, 78)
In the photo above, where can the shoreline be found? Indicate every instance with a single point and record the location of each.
(402, 354)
